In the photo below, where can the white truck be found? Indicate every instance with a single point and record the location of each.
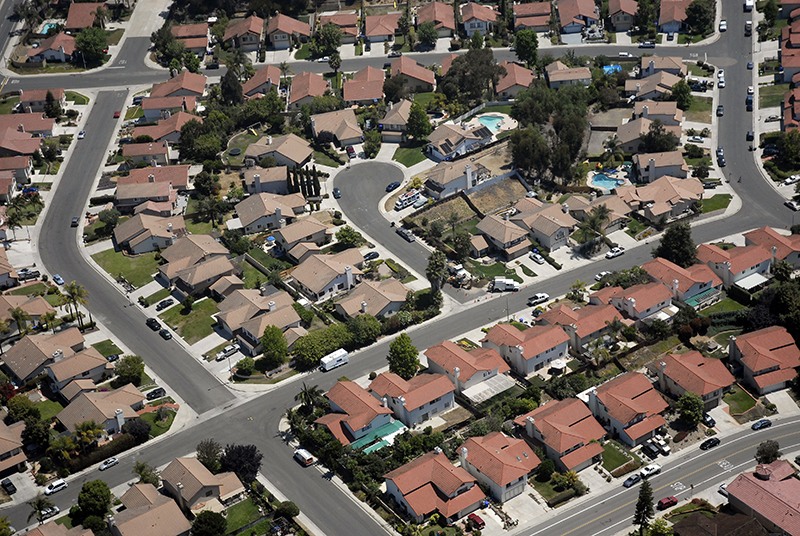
(334, 359)
(748, 28)
(748, 5)
(500, 284)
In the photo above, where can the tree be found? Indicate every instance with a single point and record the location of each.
(92, 44)
(52, 107)
(691, 408)
(365, 329)
(5, 527)
(677, 246)
(682, 93)
(20, 408)
(427, 34)
(36, 432)
(701, 171)
(14, 221)
(530, 151)
(138, 429)
(244, 460)
(372, 143)
(209, 453)
(109, 217)
(768, 451)
(335, 62)
(130, 369)
(476, 42)
(231, 89)
(436, 271)
(395, 89)
(782, 271)
(644, 507)
(287, 510)
(62, 448)
(94, 498)
(87, 433)
(349, 237)
(20, 317)
(245, 366)
(546, 470)
(418, 124)
(326, 41)
(403, 357)
(208, 523)
(309, 396)
(526, 43)
(658, 139)
(146, 473)
(700, 16)
(660, 527)
(461, 243)
(275, 347)
(38, 505)
(76, 295)
(285, 70)
(771, 10)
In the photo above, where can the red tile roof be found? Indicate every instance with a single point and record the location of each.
(196, 83)
(673, 11)
(533, 341)
(697, 374)
(287, 25)
(32, 122)
(267, 74)
(14, 162)
(165, 127)
(768, 348)
(21, 143)
(625, 6)
(377, 25)
(667, 272)
(516, 75)
(31, 95)
(182, 31)
(238, 28)
(307, 85)
(366, 84)
(740, 258)
(144, 149)
(767, 237)
(439, 13)
(188, 104)
(574, 11)
(581, 455)
(417, 391)
(477, 11)
(646, 296)
(412, 69)
(772, 492)
(361, 408)
(55, 42)
(447, 61)
(564, 424)
(630, 395)
(347, 22)
(81, 15)
(588, 320)
(450, 356)
(501, 459)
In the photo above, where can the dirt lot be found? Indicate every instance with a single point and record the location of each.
(498, 196)
(611, 118)
(443, 210)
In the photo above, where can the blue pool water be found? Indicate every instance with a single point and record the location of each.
(602, 180)
(48, 26)
(615, 68)
(492, 122)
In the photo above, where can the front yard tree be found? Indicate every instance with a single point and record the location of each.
(146, 473)
(372, 143)
(365, 329)
(287, 510)
(677, 246)
(349, 237)
(244, 460)
(658, 139)
(231, 89)
(644, 507)
(335, 62)
(700, 15)
(275, 347)
(208, 523)
(789, 149)
(309, 396)
(5, 527)
(92, 43)
(690, 407)
(427, 34)
(771, 10)
(209, 453)
(94, 499)
(138, 429)
(403, 357)
(436, 272)
(52, 107)
(418, 125)
(682, 93)
(527, 44)
(109, 217)
(326, 41)
(660, 527)
(130, 369)
(38, 505)
(768, 451)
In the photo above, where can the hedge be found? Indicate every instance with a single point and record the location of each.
(624, 469)
(561, 497)
(120, 444)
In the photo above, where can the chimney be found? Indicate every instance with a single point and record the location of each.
(675, 287)
(58, 354)
(20, 128)
(257, 183)
(469, 173)
(529, 422)
(278, 213)
(151, 177)
(402, 401)
(462, 455)
(384, 402)
(645, 111)
(179, 486)
(632, 301)
(184, 107)
(169, 227)
(363, 307)
(120, 418)
(437, 450)
(456, 372)
(271, 306)
(348, 275)
(662, 383)
(269, 140)
(110, 521)
(565, 208)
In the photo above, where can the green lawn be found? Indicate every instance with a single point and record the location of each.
(240, 141)
(726, 305)
(113, 36)
(716, 202)
(107, 348)
(771, 96)
(30, 290)
(194, 326)
(158, 427)
(738, 400)
(409, 156)
(157, 296)
(635, 227)
(612, 457)
(241, 514)
(324, 160)
(696, 70)
(251, 276)
(700, 110)
(7, 104)
(424, 98)
(96, 231)
(268, 261)
(303, 53)
(492, 270)
(138, 270)
(76, 98)
(500, 109)
(545, 489)
(134, 112)
(30, 212)
(48, 409)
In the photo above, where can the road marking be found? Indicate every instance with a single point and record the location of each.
(725, 464)
(678, 486)
(117, 67)
(15, 81)
(122, 62)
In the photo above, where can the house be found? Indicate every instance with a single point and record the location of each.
(193, 37)
(34, 306)
(787, 7)
(657, 86)
(631, 134)
(32, 353)
(143, 233)
(56, 529)
(8, 274)
(195, 488)
(507, 238)
(283, 30)
(618, 210)
(465, 369)
(354, 412)
(263, 81)
(8, 187)
(478, 18)
(432, 484)
(16, 143)
(263, 212)
(416, 78)
(672, 15)
(584, 325)
(177, 176)
(532, 16)
(146, 511)
(285, 318)
(340, 125)
(153, 153)
(225, 286)
(788, 53)
(305, 86)
(82, 15)
(500, 463)
(196, 279)
(516, 79)
(246, 34)
(449, 141)
(645, 303)
(33, 123)
(647, 167)
(186, 84)
(380, 28)
(769, 494)
(188, 251)
(665, 111)
(86, 364)
(77, 387)
(257, 180)
(629, 407)
(697, 524)
(547, 223)
(378, 298)
(414, 401)
(33, 100)
(746, 267)
(622, 13)
(558, 75)
(12, 455)
(20, 166)
(365, 88)
(287, 150)
(131, 195)
(447, 62)
(441, 15)
(320, 277)
(664, 199)
(245, 313)
(395, 122)
(696, 286)
(575, 15)
(691, 372)
(167, 129)
(305, 230)
(449, 178)
(768, 357)
(347, 23)
(530, 350)
(56, 48)
(568, 432)
(650, 65)
(302, 251)
(155, 108)
(783, 247)
(109, 409)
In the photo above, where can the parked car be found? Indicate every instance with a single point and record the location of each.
(721, 83)
(407, 234)
(395, 54)
(117, 114)
(697, 139)
(227, 352)
(57, 279)
(535, 257)
(55, 486)
(667, 502)
(709, 421)
(771, 118)
(163, 304)
(81, 134)
(662, 446)
(351, 152)
(750, 90)
(110, 462)
(723, 25)
(723, 489)
(750, 65)
(50, 511)
(647, 44)
(538, 298)
(324, 59)
(750, 136)
(720, 110)
(113, 357)
(26, 273)
(393, 186)
(476, 521)
(601, 275)
(8, 486)
(74, 222)
(791, 180)
(371, 255)
(794, 205)
(631, 480)
(720, 152)
(158, 392)
(771, 150)
(761, 423)
(615, 252)
(650, 470)
(165, 334)
(153, 324)
(709, 443)
(337, 193)
(720, 73)
(650, 450)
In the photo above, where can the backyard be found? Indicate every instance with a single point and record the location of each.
(241, 142)
(241, 514)
(700, 110)
(324, 160)
(48, 409)
(726, 305)
(192, 326)
(138, 270)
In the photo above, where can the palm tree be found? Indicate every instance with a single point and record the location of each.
(309, 396)
(14, 221)
(285, 70)
(4, 327)
(614, 152)
(453, 220)
(87, 433)
(212, 206)
(100, 17)
(49, 319)
(61, 448)
(76, 295)
(38, 505)
(20, 317)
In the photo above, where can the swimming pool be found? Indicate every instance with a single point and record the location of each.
(601, 180)
(492, 122)
(48, 26)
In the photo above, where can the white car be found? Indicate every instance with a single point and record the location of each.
(81, 134)
(111, 462)
(539, 298)
(55, 486)
(721, 83)
(601, 275)
(650, 470)
(750, 90)
(697, 139)
(615, 252)
(791, 180)
(625, 55)
(723, 489)
(723, 25)
(535, 257)
(720, 73)
(324, 59)
(662, 446)
(794, 205)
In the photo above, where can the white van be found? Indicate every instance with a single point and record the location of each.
(304, 457)
(334, 359)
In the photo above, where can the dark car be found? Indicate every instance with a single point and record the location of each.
(749, 136)
(138, 100)
(74, 222)
(337, 193)
(667, 502)
(749, 65)
(721, 161)
(709, 421)
(163, 304)
(720, 110)
(393, 186)
(762, 423)
(212, 65)
(113, 357)
(650, 450)
(709, 443)
(153, 324)
(351, 152)
(771, 150)
(371, 255)
(158, 392)
(8, 486)
(631, 480)
(165, 334)
(26, 274)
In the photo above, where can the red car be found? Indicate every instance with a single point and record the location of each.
(116, 114)
(667, 502)
(477, 522)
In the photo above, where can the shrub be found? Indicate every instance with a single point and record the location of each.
(122, 443)
(563, 496)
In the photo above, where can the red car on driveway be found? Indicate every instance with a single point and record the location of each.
(477, 521)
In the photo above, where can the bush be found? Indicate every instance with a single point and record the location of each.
(561, 497)
(122, 443)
